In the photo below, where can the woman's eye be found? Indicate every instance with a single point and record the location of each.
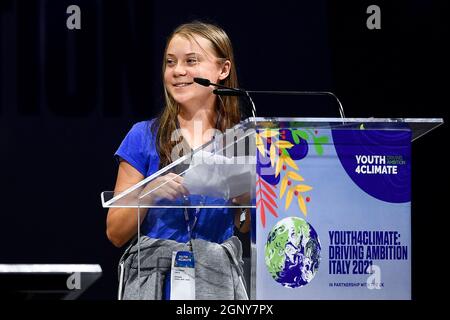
(170, 62)
(192, 61)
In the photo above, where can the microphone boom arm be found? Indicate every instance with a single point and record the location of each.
(246, 93)
(311, 93)
(227, 91)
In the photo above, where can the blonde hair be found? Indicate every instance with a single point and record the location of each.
(227, 108)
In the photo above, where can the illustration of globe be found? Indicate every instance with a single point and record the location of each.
(292, 252)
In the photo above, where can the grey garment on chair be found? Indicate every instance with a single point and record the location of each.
(218, 269)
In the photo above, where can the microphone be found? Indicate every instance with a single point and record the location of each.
(206, 83)
(227, 91)
(202, 81)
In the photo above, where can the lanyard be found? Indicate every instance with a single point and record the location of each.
(190, 228)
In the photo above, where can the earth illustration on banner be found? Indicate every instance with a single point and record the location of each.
(292, 252)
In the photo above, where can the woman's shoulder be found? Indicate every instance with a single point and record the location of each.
(142, 135)
(144, 130)
(138, 147)
(145, 126)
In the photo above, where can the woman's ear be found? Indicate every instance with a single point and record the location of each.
(225, 70)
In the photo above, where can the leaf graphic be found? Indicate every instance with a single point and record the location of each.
(291, 162)
(295, 136)
(272, 211)
(285, 153)
(318, 142)
(278, 167)
(269, 198)
(295, 176)
(302, 134)
(282, 144)
(268, 133)
(302, 188)
(283, 185)
(273, 154)
(319, 149)
(290, 194)
(263, 215)
(268, 188)
(321, 140)
(301, 204)
(260, 145)
(266, 199)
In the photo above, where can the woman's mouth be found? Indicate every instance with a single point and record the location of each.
(182, 84)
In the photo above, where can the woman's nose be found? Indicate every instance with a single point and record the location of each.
(179, 70)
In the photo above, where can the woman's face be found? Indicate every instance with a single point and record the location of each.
(186, 59)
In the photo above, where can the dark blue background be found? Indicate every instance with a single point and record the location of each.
(69, 97)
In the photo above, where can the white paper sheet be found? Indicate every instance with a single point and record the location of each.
(218, 176)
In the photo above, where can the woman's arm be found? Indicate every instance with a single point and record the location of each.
(121, 223)
(244, 200)
(243, 227)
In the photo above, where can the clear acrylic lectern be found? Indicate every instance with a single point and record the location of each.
(329, 199)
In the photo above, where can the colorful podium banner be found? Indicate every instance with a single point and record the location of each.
(333, 215)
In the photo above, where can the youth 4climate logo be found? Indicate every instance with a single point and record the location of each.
(378, 161)
(378, 164)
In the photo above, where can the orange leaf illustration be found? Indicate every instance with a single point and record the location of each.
(269, 198)
(302, 204)
(291, 163)
(260, 145)
(290, 194)
(302, 188)
(268, 188)
(274, 213)
(284, 182)
(295, 176)
(282, 144)
(268, 133)
(273, 154)
(278, 166)
(263, 215)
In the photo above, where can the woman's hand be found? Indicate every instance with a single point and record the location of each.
(243, 199)
(169, 186)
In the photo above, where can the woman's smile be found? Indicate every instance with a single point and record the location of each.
(182, 84)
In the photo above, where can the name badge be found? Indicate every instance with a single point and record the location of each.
(182, 281)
